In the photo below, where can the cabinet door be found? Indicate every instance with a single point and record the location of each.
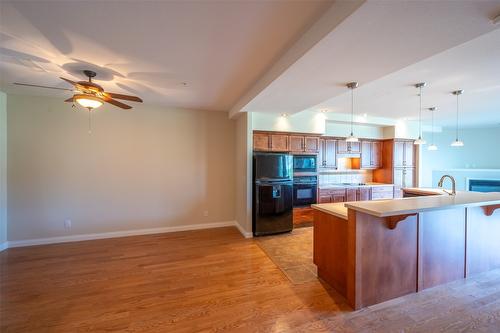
(261, 141)
(311, 144)
(321, 154)
(296, 143)
(279, 142)
(330, 153)
(409, 156)
(364, 193)
(376, 160)
(342, 147)
(325, 199)
(338, 198)
(399, 154)
(351, 194)
(354, 147)
(409, 177)
(398, 177)
(366, 154)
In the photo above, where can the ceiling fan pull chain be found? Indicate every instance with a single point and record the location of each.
(90, 121)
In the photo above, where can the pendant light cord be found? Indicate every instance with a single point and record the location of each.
(352, 111)
(456, 130)
(420, 116)
(432, 127)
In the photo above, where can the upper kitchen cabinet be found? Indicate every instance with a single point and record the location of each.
(327, 156)
(404, 154)
(261, 141)
(304, 144)
(370, 154)
(344, 147)
(270, 142)
(279, 142)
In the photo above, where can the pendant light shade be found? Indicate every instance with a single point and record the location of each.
(432, 146)
(351, 137)
(420, 141)
(457, 142)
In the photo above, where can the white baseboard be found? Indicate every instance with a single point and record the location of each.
(245, 234)
(114, 234)
(4, 246)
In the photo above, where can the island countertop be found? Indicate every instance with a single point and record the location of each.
(337, 209)
(384, 208)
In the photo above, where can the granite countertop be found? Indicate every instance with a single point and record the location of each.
(337, 209)
(369, 184)
(383, 208)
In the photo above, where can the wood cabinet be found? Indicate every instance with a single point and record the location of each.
(327, 155)
(370, 154)
(382, 192)
(261, 141)
(270, 142)
(364, 194)
(332, 195)
(404, 154)
(304, 144)
(351, 194)
(344, 147)
(403, 177)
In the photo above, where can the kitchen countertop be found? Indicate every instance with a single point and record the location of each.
(383, 208)
(332, 186)
(337, 209)
(424, 191)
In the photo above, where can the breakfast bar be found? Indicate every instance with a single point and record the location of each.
(373, 251)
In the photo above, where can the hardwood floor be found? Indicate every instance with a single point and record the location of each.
(211, 281)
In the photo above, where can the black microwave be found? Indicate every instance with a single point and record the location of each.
(305, 163)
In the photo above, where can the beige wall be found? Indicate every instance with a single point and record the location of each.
(146, 168)
(3, 170)
(244, 173)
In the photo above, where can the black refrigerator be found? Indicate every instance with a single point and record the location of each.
(272, 193)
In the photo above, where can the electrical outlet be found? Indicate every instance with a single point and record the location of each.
(205, 213)
(67, 224)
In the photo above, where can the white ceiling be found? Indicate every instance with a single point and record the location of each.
(383, 37)
(149, 48)
(473, 66)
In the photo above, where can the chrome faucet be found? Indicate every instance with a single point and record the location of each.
(453, 184)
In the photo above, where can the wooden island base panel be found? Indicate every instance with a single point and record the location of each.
(371, 252)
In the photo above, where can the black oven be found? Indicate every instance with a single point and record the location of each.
(304, 163)
(305, 190)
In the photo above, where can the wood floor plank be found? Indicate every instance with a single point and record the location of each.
(211, 281)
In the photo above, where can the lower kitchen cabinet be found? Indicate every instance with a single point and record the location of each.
(356, 194)
(363, 194)
(303, 216)
(382, 192)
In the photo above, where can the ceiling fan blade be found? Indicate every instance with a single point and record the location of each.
(116, 103)
(125, 97)
(69, 81)
(38, 86)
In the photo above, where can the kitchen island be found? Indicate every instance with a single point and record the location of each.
(373, 251)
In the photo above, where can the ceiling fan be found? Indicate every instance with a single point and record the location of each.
(89, 94)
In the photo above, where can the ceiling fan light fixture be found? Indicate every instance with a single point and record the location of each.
(351, 138)
(88, 101)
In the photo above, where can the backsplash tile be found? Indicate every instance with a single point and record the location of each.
(351, 176)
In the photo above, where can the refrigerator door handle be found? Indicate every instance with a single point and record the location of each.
(276, 192)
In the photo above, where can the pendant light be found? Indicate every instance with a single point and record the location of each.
(432, 146)
(420, 141)
(457, 143)
(351, 137)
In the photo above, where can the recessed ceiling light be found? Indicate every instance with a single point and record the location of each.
(324, 110)
(284, 115)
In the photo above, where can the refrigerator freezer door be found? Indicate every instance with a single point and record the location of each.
(273, 211)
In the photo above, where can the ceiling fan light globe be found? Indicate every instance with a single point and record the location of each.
(89, 102)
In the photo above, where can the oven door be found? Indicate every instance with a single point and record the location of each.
(304, 194)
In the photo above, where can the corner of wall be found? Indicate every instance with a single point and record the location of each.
(3, 171)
